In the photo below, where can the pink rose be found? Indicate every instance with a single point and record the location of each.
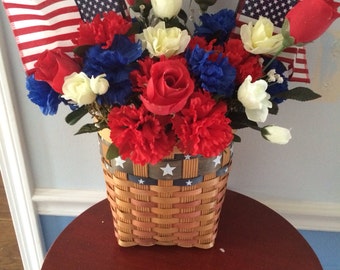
(53, 66)
(169, 87)
(309, 19)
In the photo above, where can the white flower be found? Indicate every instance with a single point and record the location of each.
(99, 84)
(259, 39)
(166, 9)
(276, 134)
(255, 99)
(159, 40)
(83, 90)
(77, 87)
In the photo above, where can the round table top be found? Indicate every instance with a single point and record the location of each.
(250, 236)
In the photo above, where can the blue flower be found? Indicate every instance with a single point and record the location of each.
(217, 25)
(42, 94)
(216, 77)
(116, 64)
(275, 87)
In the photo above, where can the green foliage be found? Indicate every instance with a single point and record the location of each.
(299, 94)
(89, 128)
(73, 117)
(112, 152)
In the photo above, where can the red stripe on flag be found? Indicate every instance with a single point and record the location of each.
(41, 25)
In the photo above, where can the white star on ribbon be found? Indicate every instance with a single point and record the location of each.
(119, 162)
(141, 181)
(189, 183)
(187, 157)
(167, 170)
(217, 160)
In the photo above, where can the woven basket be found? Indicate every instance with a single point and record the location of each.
(175, 202)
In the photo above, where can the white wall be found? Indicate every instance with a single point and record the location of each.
(301, 178)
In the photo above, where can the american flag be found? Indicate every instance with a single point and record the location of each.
(47, 24)
(294, 57)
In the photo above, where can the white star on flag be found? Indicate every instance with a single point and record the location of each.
(119, 162)
(167, 170)
(217, 160)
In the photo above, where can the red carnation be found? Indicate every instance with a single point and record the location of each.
(140, 135)
(202, 127)
(244, 62)
(102, 31)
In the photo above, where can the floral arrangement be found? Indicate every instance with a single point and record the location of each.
(156, 87)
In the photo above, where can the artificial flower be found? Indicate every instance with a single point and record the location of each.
(216, 75)
(310, 19)
(166, 9)
(99, 85)
(160, 40)
(168, 88)
(277, 79)
(52, 66)
(255, 99)
(202, 127)
(275, 134)
(42, 94)
(244, 62)
(77, 88)
(115, 63)
(102, 31)
(139, 135)
(259, 38)
(216, 26)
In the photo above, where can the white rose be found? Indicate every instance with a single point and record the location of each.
(99, 84)
(255, 99)
(276, 134)
(77, 87)
(159, 40)
(259, 39)
(166, 9)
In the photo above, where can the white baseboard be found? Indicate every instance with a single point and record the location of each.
(302, 215)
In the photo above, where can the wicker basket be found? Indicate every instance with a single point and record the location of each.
(175, 202)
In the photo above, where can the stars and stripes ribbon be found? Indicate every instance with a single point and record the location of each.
(48, 24)
(294, 57)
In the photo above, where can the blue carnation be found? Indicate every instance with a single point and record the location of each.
(116, 63)
(216, 26)
(216, 77)
(276, 88)
(42, 94)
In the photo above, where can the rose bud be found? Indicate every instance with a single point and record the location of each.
(276, 134)
(166, 9)
(309, 19)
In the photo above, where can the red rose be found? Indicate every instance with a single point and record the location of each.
(309, 19)
(201, 127)
(169, 87)
(52, 66)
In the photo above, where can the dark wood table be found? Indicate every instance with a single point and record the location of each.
(251, 236)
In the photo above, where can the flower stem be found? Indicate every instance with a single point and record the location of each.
(275, 56)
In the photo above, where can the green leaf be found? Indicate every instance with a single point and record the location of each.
(299, 94)
(236, 138)
(73, 117)
(112, 152)
(89, 128)
(81, 50)
(274, 109)
(182, 15)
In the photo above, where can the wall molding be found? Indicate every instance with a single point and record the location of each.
(16, 176)
(302, 215)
